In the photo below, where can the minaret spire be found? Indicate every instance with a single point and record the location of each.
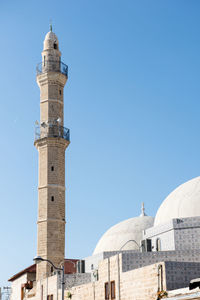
(50, 25)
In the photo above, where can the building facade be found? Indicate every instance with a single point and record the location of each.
(137, 259)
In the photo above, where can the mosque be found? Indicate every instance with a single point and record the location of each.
(141, 258)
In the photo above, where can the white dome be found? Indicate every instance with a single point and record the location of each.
(50, 40)
(51, 36)
(122, 232)
(183, 202)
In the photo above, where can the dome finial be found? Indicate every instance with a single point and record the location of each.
(142, 210)
(50, 25)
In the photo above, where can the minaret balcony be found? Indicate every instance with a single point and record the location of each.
(52, 66)
(51, 131)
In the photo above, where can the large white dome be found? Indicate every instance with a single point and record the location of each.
(122, 232)
(183, 202)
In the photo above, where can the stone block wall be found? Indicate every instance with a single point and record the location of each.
(140, 284)
(179, 274)
(16, 287)
(136, 284)
(177, 234)
(165, 233)
(93, 261)
(187, 233)
(133, 260)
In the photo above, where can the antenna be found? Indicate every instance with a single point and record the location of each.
(50, 25)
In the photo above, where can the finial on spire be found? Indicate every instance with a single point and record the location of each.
(142, 210)
(50, 25)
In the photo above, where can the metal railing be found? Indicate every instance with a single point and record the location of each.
(51, 131)
(52, 66)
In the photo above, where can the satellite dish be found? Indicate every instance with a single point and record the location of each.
(43, 124)
(59, 120)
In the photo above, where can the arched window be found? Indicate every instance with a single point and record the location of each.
(55, 46)
(158, 244)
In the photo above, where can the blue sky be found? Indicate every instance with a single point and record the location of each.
(131, 103)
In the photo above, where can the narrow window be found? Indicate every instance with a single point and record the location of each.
(41, 292)
(55, 46)
(52, 198)
(52, 168)
(112, 289)
(158, 245)
(106, 291)
(60, 92)
(51, 270)
(44, 60)
(22, 293)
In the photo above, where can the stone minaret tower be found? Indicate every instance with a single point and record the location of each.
(51, 140)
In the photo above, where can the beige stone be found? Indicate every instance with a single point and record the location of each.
(51, 149)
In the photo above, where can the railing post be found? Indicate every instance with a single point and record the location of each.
(51, 131)
(51, 65)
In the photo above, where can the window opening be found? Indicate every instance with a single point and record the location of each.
(158, 244)
(112, 289)
(55, 46)
(106, 291)
(52, 198)
(52, 168)
(41, 292)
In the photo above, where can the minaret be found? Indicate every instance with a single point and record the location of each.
(51, 140)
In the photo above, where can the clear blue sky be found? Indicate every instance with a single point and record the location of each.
(132, 103)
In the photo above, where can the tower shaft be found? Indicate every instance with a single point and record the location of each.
(51, 141)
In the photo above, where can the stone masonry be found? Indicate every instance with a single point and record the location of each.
(177, 234)
(51, 144)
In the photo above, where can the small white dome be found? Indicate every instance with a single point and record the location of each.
(51, 36)
(122, 232)
(51, 41)
(183, 202)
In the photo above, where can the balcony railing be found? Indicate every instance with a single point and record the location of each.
(52, 66)
(52, 131)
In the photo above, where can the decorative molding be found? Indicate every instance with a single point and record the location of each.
(52, 186)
